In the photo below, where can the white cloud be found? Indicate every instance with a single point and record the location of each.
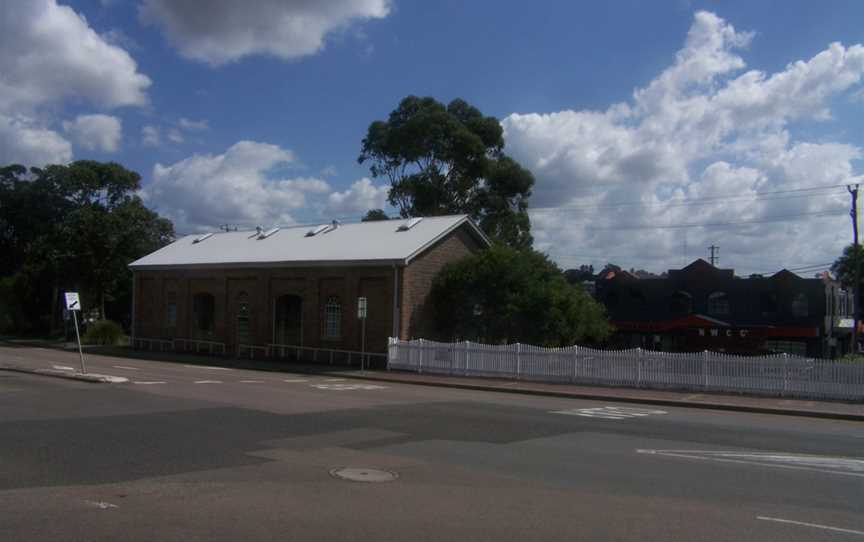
(226, 30)
(193, 125)
(95, 132)
(48, 55)
(175, 135)
(26, 142)
(701, 128)
(241, 186)
(48, 52)
(359, 198)
(150, 136)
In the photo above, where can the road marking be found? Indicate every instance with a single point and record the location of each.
(292, 380)
(126, 367)
(147, 382)
(251, 381)
(333, 379)
(208, 381)
(208, 367)
(347, 387)
(814, 525)
(63, 368)
(610, 412)
(845, 466)
(101, 504)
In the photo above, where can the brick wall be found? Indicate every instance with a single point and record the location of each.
(416, 314)
(261, 288)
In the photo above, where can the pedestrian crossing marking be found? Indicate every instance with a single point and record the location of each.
(611, 412)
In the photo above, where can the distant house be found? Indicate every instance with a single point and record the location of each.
(701, 307)
(298, 286)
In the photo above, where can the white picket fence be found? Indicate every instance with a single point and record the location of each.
(777, 375)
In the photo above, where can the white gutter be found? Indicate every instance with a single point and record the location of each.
(395, 301)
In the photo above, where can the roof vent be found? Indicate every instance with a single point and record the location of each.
(202, 237)
(258, 230)
(268, 233)
(323, 228)
(407, 225)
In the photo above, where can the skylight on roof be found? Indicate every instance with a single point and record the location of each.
(323, 228)
(202, 237)
(267, 233)
(410, 223)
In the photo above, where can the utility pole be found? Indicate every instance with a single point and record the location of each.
(715, 255)
(856, 287)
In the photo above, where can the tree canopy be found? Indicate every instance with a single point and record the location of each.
(450, 160)
(374, 215)
(74, 226)
(507, 295)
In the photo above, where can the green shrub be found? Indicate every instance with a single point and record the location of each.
(103, 332)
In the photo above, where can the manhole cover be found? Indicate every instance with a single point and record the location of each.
(357, 474)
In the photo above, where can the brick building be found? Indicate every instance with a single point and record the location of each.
(299, 286)
(701, 307)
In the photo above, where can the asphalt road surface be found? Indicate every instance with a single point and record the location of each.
(206, 453)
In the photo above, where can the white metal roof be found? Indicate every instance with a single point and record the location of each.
(376, 242)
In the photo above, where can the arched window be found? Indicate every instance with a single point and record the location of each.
(171, 310)
(800, 307)
(243, 327)
(681, 303)
(718, 304)
(333, 318)
(204, 308)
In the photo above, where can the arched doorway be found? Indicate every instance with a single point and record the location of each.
(288, 320)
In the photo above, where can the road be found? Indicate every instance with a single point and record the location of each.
(207, 453)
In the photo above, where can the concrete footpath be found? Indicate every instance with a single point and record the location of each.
(716, 401)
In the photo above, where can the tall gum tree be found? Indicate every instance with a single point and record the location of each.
(450, 160)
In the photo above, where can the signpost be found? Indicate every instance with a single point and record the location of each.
(73, 305)
(361, 314)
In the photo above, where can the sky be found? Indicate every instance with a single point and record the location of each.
(653, 129)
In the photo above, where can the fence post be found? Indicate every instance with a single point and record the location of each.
(467, 346)
(638, 367)
(785, 373)
(705, 369)
(420, 362)
(518, 360)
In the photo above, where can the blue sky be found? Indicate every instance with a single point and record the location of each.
(228, 125)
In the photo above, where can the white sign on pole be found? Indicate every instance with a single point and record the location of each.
(72, 301)
(73, 304)
(361, 307)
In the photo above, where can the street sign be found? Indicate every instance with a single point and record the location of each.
(72, 301)
(361, 307)
(361, 314)
(73, 304)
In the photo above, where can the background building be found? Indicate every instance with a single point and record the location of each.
(701, 307)
(299, 286)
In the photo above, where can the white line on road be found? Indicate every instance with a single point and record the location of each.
(126, 367)
(334, 379)
(147, 382)
(63, 368)
(829, 465)
(292, 380)
(251, 381)
(208, 381)
(101, 504)
(208, 367)
(814, 525)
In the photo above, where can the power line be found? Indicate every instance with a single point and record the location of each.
(778, 218)
(756, 196)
